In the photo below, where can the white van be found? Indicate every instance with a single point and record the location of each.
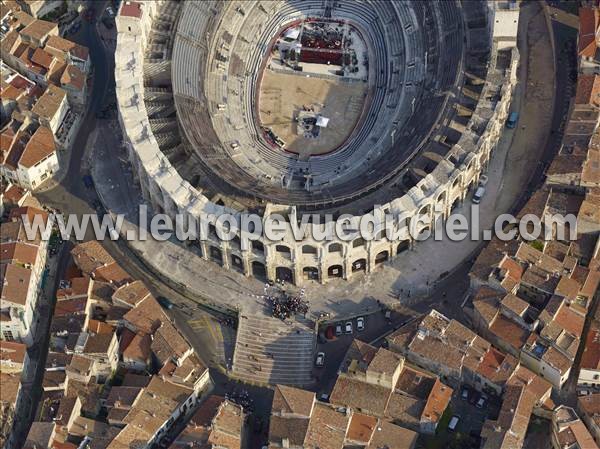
(478, 195)
(453, 423)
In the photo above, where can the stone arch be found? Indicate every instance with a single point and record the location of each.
(284, 250)
(309, 249)
(425, 210)
(258, 246)
(259, 271)
(381, 257)
(404, 245)
(310, 273)
(216, 255)
(237, 262)
(335, 272)
(284, 274)
(335, 248)
(359, 265)
(357, 243)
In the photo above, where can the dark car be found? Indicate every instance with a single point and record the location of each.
(165, 303)
(88, 182)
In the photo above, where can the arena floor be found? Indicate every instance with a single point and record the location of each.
(283, 95)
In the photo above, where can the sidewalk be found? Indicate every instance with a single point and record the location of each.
(513, 162)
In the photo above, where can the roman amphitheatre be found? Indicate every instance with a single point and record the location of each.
(321, 106)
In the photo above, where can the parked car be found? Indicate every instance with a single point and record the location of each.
(512, 120)
(483, 180)
(338, 329)
(164, 302)
(320, 359)
(329, 332)
(453, 423)
(348, 328)
(360, 324)
(478, 195)
(464, 394)
(481, 402)
(88, 182)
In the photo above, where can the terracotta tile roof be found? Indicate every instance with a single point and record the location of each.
(590, 405)
(79, 286)
(99, 343)
(15, 283)
(361, 428)
(369, 398)
(511, 426)
(112, 273)
(568, 288)
(31, 212)
(138, 349)
(206, 412)
(415, 382)
(40, 434)
(292, 401)
(292, 429)
(99, 327)
(147, 316)
(385, 362)
(392, 436)
(38, 29)
(489, 258)
(589, 21)
(590, 358)
(569, 320)
(131, 9)
(9, 41)
(42, 58)
(515, 304)
(18, 252)
(12, 351)
(497, 366)
(67, 46)
(14, 231)
(135, 380)
(437, 402)
(40, 146)
(327, 428)
(226, 430)
(73, 77)
(168, 344)
(405, 409)
(537, 386)
(588, 90)
(557, 359)
(509, 332)
(90, 255)
(131, 294)
(123, 397)
(70, 307)
(80, 365)
(486, 302)
(48, 104)
(188, 373)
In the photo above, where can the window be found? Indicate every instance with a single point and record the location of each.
(8, 336)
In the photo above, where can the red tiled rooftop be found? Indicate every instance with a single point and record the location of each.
(131, 9)
(589, 19)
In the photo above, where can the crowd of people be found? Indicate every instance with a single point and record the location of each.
(285, 305)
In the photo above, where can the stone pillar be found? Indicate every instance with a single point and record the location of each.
(247, 263)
